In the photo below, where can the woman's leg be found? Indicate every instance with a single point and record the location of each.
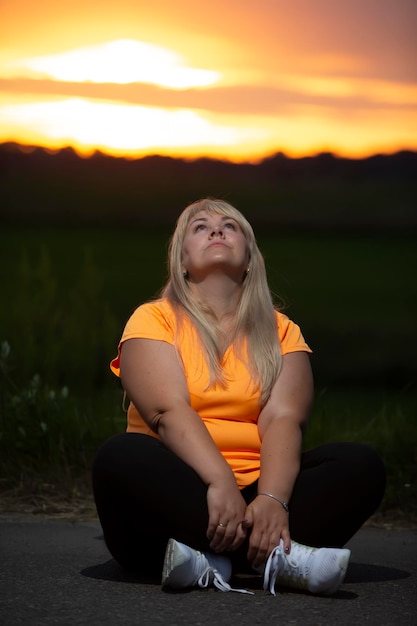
(340, 485)
(144, 495)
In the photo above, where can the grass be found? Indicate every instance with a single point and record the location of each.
(69, 292)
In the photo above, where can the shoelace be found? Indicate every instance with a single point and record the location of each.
(285, 564)
(218, 581)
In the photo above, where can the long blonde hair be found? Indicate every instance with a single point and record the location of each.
(255, 316)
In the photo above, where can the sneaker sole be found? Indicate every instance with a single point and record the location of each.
(174, 557)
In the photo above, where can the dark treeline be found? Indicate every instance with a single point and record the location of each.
(319, 193)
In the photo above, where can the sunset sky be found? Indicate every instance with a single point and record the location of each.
(234, 79)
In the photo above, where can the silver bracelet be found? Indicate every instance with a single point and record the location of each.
(282, 503)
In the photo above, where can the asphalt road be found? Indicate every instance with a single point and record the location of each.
(57, 572)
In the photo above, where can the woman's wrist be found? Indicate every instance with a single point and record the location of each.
(281, 502)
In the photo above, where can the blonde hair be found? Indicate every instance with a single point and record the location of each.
(255, 316)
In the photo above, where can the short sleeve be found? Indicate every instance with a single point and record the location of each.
(290, 336)
(154, 320)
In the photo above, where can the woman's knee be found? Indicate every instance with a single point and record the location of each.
(123, 450)
(365, 458)
(362, 464)
(349, 463)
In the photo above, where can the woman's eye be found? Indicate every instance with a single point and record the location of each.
(230, 225)
(199, 227)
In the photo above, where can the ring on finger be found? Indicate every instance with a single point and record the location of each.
(222, 525)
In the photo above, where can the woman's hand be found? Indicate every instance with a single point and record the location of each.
(268, 522)
(226, 508)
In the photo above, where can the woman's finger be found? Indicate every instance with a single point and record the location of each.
(241, 534)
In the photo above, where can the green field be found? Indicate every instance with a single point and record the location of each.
(67, 292)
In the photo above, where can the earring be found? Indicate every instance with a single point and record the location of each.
(185, 273)
(247, 270)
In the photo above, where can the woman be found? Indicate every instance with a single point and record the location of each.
(210, 478)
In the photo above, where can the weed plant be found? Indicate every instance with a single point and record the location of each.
(47, 435)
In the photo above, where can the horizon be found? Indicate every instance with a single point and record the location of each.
(29, 149)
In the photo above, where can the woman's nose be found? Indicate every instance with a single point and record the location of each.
(216, 230)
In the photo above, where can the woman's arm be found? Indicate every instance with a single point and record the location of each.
(154, 380)
(280, 426)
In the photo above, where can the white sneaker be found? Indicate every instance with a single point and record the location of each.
(185, 567)
(318, 570)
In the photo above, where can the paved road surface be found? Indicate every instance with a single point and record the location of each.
(56, 572)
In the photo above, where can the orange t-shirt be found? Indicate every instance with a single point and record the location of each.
(230, 414)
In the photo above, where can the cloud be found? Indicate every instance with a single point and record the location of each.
(333, 94)
(121, 61)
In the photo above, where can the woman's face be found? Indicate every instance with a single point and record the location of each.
(214, 243)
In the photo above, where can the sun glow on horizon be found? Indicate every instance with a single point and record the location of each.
(134, 131)
(122, 61)
(117, 127)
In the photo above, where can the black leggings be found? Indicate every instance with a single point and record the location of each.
(145, 494)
